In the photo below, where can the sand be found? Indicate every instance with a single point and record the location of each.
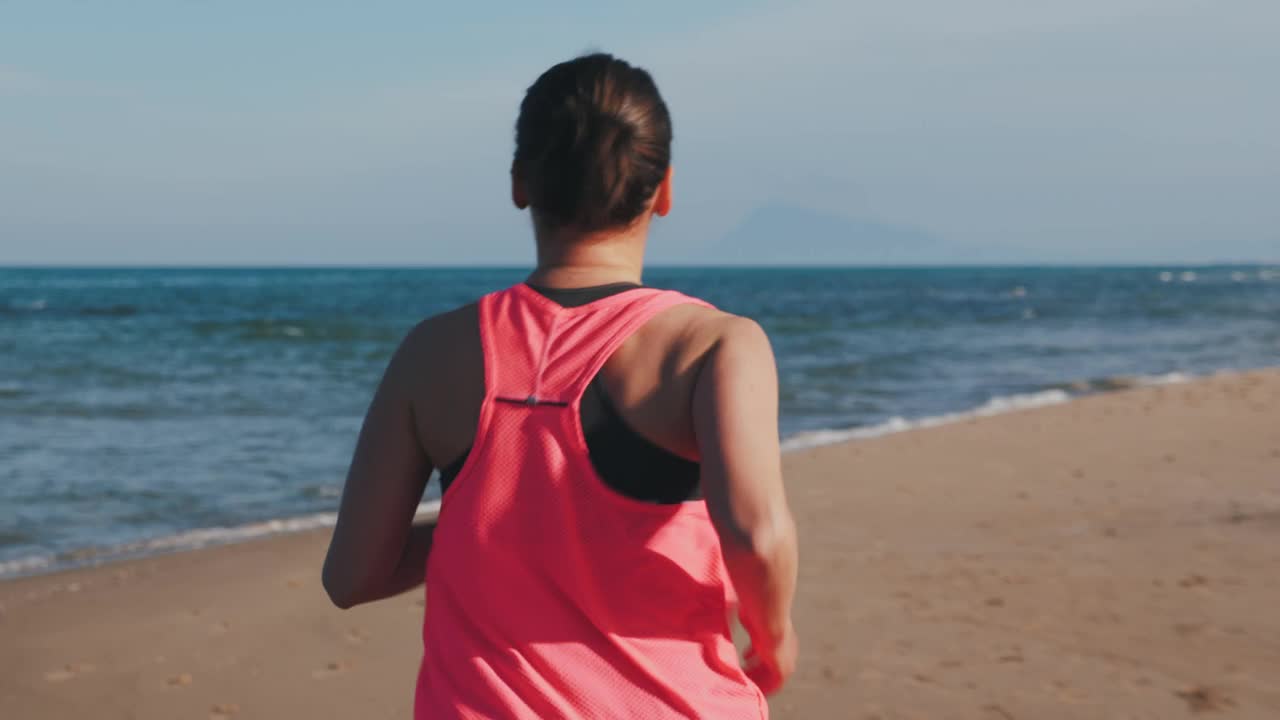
(1114, 557)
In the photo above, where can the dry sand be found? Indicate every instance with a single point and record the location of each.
(1115, 557)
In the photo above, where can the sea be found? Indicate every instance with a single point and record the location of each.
(154, 410)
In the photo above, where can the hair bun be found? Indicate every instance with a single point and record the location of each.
(593, 142)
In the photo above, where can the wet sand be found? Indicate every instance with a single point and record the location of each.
(1114, 557)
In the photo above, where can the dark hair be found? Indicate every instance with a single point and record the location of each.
(593, 142)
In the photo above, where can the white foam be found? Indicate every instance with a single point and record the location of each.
(994, 406)
(1172, 378)
(25, 565)
(1166, 277)
(35, 305)
(188, 540)
(292, 331)
(219, 535)
(1187, 276)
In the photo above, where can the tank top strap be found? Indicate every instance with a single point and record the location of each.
(617, 327)
(538, 352)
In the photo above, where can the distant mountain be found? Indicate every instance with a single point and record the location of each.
(786, 235)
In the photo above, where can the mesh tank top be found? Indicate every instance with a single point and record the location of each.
(549, 595)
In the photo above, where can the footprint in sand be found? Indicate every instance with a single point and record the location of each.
(356, 636)
(220, 628)
(334, 668)
(1188, 629)
(68, 671)
(182, 680)
(1205, 699)
(998, 711)
(1194, 580)
(1064, 692)
(223, 711)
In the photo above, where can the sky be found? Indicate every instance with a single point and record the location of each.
(231, 132)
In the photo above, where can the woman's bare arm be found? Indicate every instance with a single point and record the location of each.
(735, 413)
(377, 551)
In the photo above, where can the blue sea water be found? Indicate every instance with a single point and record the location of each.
(152, 409)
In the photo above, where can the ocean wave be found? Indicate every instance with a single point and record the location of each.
(26, 565)
(83, 283)
(108, 311)
(327, 492)
(17, 306)
(995, 406)
(1119, 382)
(1219, 276)
(186, 540)
(305, 330)
(40, 305)
(1186, 276)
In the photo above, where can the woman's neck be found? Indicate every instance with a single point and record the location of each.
(566, 261)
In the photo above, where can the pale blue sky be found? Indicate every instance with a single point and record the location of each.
(291, 132)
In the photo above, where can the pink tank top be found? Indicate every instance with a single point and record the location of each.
(548, 594)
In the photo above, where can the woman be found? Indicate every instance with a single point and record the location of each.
(608, 452)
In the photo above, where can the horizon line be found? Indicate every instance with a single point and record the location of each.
(648, 266)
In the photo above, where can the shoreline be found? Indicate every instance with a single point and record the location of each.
(199, 538)
(1110, 557)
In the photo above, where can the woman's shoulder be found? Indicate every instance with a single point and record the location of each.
(445, 324)
(690, 333)
(704, 325)
(444, 339)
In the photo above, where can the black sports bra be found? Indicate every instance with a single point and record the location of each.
(627, 462)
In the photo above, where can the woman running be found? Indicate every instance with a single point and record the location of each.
(612, 485)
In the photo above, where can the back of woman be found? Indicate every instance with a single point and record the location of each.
(608, 455)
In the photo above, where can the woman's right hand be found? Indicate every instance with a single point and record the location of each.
(769, 664)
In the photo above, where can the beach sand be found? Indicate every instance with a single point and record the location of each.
(1114, 557)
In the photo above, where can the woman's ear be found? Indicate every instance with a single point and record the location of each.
(662, 198)
(519, 195)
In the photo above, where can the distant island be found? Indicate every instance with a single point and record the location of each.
(787, 235)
